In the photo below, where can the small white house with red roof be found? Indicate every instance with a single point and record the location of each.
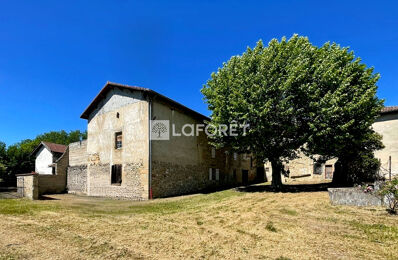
(47, 154)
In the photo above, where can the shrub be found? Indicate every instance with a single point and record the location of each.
(390, 192)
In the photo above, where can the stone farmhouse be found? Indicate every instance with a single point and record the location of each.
(121, 159)
(123, 156)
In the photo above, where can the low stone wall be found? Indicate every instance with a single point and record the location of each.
(49, 184)
(353, 197)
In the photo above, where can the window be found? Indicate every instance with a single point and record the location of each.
(118, 140)
(117, 115)
(318, 168)
(116, 178)
(214, 174)
(213, 152)
(53, 170)
(234, 175)
(235, 156)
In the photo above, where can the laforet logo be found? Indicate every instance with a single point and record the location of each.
(160, 130)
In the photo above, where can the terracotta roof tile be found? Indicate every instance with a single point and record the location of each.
(56, 148)
(390, 109)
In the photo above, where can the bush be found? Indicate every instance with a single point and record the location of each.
(390, 192)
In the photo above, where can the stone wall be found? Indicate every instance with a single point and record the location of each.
(133, 176)
(172, 179)
(77, 170)
(123, 112)
(353, 197)
(181, 165)
(77, 179)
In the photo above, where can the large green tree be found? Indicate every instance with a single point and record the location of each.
(343, 114)
(282, 91)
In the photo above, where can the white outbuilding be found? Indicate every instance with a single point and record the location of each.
(46, 155)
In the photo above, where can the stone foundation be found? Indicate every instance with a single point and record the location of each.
(172, 179)
(132, 186)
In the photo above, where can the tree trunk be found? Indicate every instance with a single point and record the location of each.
(276, 174)
(340, 175)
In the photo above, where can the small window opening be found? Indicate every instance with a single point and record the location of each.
(117, 115)
(318, 168)
(118, 140)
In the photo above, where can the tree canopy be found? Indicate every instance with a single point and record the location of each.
(295, 96)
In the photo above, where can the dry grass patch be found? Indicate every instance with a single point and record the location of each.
(227, 224)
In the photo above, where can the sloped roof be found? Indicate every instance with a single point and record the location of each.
(110, 85)
(390, 109)
(54, 148)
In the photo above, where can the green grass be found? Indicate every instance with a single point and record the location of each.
(289, 212)
(270, 227)
(24, 207)
(114, 207)
(379, 233)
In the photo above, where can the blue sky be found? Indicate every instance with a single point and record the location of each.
(55, 56)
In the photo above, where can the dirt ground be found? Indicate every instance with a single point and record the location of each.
(231, 224)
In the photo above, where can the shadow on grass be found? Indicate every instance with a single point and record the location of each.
(291, 188)
(44, 197)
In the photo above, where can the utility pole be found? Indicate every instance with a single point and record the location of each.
(389, 166)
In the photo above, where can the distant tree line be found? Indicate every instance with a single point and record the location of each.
(17, 158)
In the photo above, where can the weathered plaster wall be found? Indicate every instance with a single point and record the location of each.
(43, 160)
(387, 126)
(78, 153)
(181, 165)
(28, 186)
(302, 169)
(103, 123)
